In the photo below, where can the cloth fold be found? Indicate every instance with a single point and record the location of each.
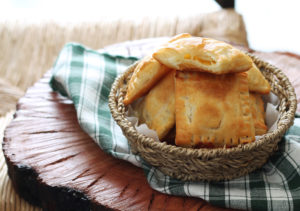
(85, 76)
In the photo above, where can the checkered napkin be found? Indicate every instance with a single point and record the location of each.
(85, 76)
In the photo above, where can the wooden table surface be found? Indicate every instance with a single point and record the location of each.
(55, 165)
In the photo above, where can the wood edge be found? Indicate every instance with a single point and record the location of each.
(29, 186)
(287, 53)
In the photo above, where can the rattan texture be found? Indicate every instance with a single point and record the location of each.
(208, 164)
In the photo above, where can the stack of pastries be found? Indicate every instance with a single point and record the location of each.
(206, 92)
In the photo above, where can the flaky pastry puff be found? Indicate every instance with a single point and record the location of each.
(204, 55)
(147, 73)
(212, 110)
(258, 113)
(157, 109)
(179, 36)
(257, 82)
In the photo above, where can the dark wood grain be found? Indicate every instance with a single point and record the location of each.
(55, 165)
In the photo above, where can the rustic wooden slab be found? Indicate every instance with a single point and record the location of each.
(55, 165)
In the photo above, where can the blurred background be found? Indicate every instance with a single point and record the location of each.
(33, 32)
(272, 25)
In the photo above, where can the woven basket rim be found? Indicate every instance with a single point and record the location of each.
(205, 153)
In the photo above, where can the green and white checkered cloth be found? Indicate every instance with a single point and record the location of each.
(85, 76)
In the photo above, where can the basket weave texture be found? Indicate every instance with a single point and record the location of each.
(208, 164)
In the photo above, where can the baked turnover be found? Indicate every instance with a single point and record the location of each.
(205, 92)
(147, 73)
(257, 82)
(157, 109)
(258, 113)
(203, 54)
(212, 110)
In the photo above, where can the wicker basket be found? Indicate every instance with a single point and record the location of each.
(208, 164)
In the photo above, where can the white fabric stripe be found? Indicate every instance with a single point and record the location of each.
(113, 138)
(150, 176)
(63, 62)
(198, 189)
(68, 68)
(165, 186)
(268, 192)
(293, 152)
(227, 193)
(282, 193)
(92, 94)
(186, 188)
(247, 193)
(100, 79)
(117, 144)
(97, 102)
(120, 145)
(206, 191)
(236, 192)
(122, 64)
(83, 87)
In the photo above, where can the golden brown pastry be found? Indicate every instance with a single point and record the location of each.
(157, 109)
(258, 113)
(179, 36)
(147, 73)
(212, 110)
(203, 54)
(257, 82)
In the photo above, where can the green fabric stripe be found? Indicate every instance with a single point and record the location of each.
(288, 170)
(74, 81)
(176, 187)
(258, 191)
(54, 84)
(217, 193)
(69, 71)
(58, 87)
(105, 137)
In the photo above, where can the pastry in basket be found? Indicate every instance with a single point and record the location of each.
(203, 54)
(257, 82)
(157, 109)
(258, 113)
(179, 36)
(147, 73)
(208, 101)
(212, 110)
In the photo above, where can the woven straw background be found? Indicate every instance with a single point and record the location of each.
(28, 50)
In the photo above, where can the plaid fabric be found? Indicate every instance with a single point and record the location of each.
(85, 76)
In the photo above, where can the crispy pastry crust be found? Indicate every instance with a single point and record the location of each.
(147, 73)
(257, 82)
(212, 110)
(258, 113)
(179, 36)
(203, 54)
(157, 109)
